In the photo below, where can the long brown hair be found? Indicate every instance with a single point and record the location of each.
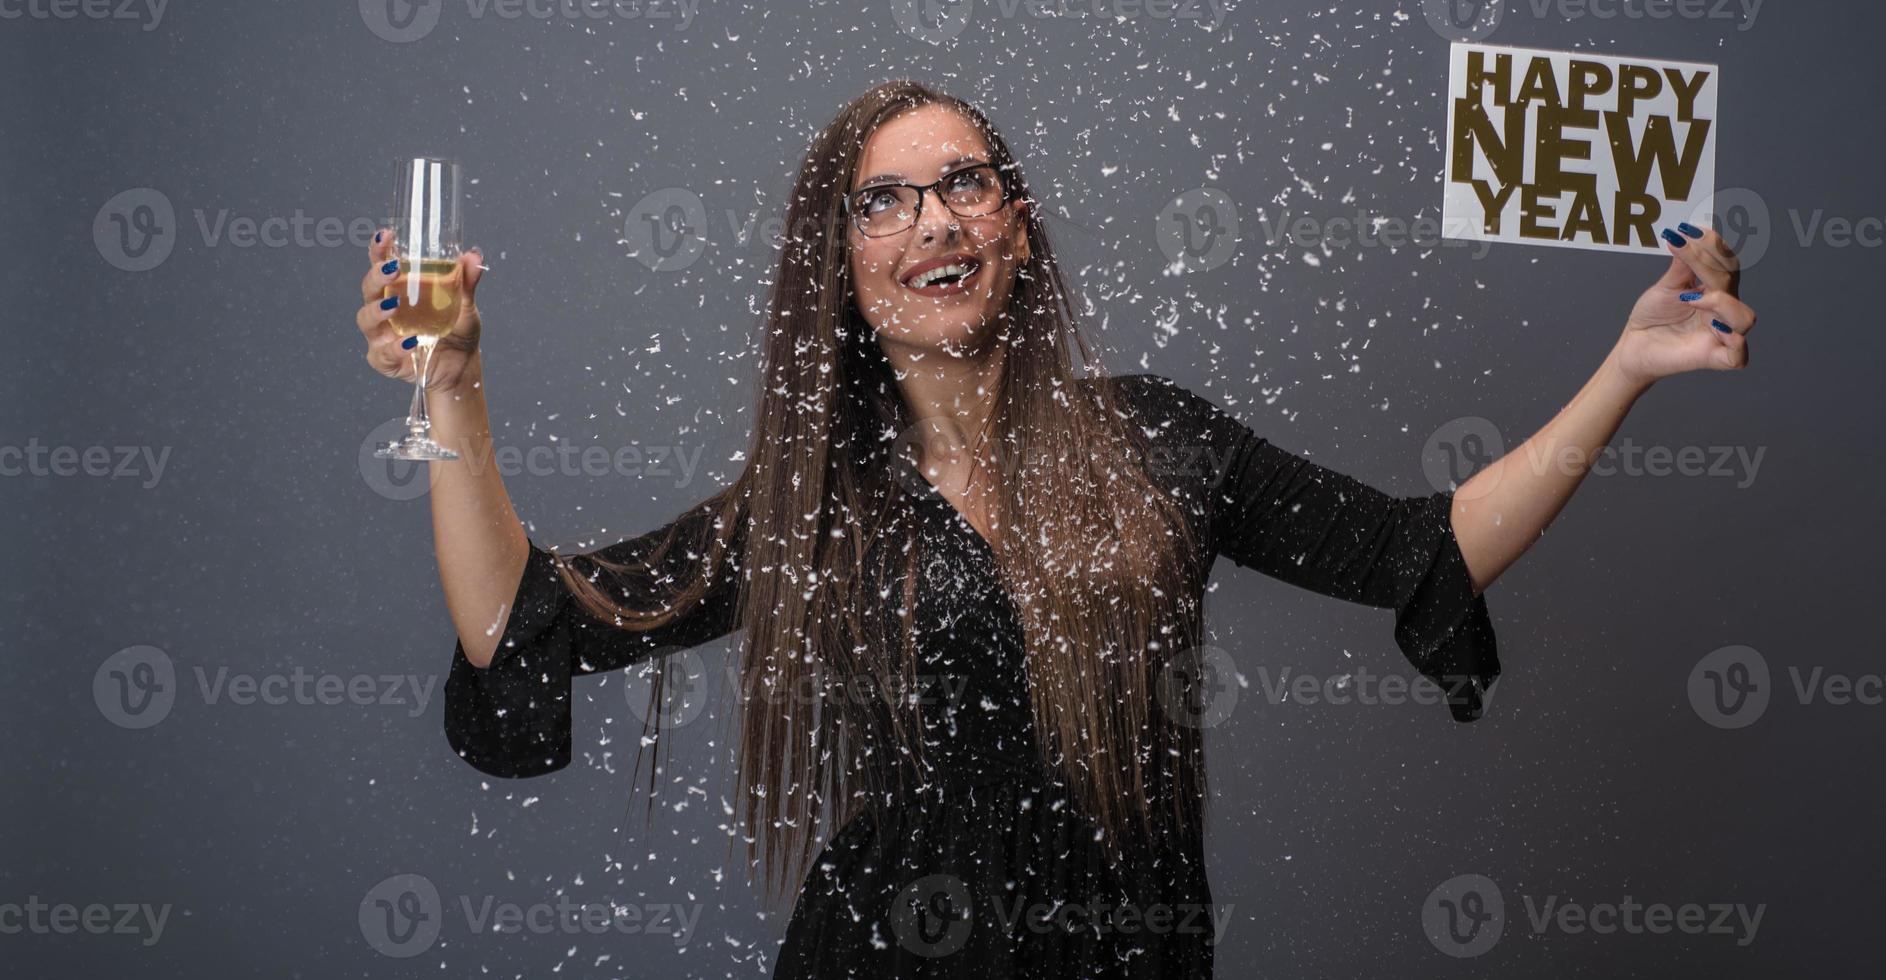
(1091, 551)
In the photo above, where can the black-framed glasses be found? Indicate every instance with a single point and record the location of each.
(886, 209)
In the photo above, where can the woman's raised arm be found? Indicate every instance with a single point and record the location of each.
(480, 546)
(1693, 318)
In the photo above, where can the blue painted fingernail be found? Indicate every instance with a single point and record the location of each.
(1719, 325)
(1689, 229)
(410, 343)
(1690, 297)
(390, 303)
(377, 236)
(390, 268)
(1673, 238)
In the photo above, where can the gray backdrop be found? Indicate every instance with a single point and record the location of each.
(238, 539)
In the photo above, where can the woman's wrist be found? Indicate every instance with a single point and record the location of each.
(1616, 374)
(458, 410)
(470, 379)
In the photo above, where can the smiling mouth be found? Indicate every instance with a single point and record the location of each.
(944, 280)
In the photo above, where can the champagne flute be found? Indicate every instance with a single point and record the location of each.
(426, 241)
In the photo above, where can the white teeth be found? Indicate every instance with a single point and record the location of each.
(927, 277)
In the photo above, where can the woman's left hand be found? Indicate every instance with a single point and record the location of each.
(1692, 318)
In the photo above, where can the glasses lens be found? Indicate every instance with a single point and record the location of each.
(884, 210)
(969, 193)
(974, 192)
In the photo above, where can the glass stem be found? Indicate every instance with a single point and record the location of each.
(418, 422)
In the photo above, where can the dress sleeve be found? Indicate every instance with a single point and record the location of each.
(1294, 520)
(512, 718)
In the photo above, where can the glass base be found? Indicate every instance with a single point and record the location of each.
(413, 447)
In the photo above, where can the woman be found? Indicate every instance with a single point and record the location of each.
(948, 503)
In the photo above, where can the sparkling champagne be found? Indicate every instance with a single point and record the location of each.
(428, 297)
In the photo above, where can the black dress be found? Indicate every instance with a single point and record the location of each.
(988, 871)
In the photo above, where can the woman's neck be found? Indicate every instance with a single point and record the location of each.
(959, 388)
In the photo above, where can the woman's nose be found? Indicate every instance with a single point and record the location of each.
(934, 219)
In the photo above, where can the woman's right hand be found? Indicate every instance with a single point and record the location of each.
(386, 351)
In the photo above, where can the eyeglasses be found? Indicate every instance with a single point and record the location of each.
(886, 209)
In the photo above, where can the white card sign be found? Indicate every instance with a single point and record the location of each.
(1576, 150)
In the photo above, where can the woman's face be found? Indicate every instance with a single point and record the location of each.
(957, 317)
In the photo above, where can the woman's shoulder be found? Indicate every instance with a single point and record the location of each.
(1163, 406)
